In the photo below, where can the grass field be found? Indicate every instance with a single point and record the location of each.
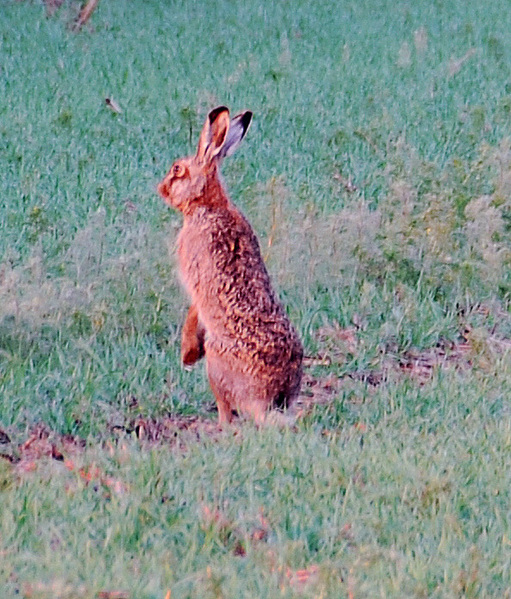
(377, 175)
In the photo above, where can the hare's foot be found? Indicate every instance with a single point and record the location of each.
(259, 412)
(225, 413)
(253, 409)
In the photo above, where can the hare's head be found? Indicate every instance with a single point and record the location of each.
(186, 183)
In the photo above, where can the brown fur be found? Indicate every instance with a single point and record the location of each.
(253, 353)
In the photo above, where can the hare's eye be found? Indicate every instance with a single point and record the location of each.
(178, 170)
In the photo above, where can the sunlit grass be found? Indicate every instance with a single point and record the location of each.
(377, 175)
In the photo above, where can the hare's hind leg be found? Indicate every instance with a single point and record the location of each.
(192, 338)
(254, 409)
(219, 382)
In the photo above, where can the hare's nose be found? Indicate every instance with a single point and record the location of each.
(162, 189)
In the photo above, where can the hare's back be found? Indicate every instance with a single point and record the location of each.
(224, 271)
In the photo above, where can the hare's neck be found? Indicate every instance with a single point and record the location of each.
(214, 194)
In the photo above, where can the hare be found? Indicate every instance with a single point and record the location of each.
(253, 353)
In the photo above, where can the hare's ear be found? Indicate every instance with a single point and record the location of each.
(237, 129)
(213, 135)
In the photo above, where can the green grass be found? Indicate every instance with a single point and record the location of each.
(377, 175)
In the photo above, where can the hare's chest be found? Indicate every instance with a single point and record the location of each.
(194, 259)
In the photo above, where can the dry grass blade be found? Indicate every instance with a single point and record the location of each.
(420, 39)
(318, 360)
(85, 14)
(112, 104)
(277, 191)
(404, 59)
(455, 64)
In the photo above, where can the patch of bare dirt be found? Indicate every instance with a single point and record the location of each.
(40, 443)
(318, 391)
(474, 348)
(43, 445)
(171, 429)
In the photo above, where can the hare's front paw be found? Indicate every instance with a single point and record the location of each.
(192, 338)
(190, 355)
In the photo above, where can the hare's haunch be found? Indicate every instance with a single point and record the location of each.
(253, 353)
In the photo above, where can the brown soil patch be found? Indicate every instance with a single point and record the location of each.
(40, 443)
(474, 348)
(172, 429)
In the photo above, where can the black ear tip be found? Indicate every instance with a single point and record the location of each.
(213, 115)
(247, 118)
